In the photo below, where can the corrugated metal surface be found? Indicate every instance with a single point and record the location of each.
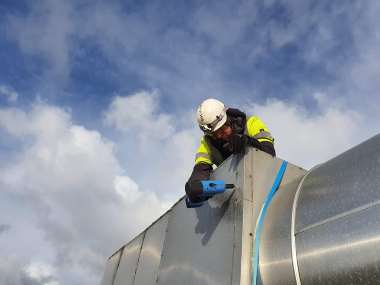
(337, 229)
(150, 257)
(346, 182)
(129, 261)
(338, 224)
(324, 230)
(111, 267)
(343, 251)
(275, 250)
(199, 245)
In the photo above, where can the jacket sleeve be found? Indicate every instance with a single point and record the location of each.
(201, 171)
(260, 136)
(203, 154)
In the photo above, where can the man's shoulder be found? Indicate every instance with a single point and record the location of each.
(233, 112)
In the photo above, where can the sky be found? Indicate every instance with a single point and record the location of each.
(97, 110)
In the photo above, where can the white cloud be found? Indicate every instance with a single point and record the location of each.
(234, 19)
(307, 139)
(68, 175)
(85, 204)
(138, 114)
(9, 93)
(41, 273)
(10, 271)
(4, 228)
(127, 189)
(160, 145)
(46, 32)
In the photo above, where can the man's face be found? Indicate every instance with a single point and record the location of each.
(223, 133)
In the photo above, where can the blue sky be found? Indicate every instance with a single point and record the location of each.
(97, 102)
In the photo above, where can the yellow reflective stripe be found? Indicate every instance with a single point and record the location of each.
(203, 147)
(203, 160)
(203, 153)
(266, 140)
(258, 130)
(263, 135)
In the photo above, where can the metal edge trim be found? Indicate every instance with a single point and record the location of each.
(117, 265)
(260, 219)
(292, 227)
(138, 258)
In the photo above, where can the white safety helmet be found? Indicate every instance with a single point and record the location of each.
(211, 115)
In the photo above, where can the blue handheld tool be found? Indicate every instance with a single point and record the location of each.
(210, 188)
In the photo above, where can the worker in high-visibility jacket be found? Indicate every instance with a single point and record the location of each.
(226, 131)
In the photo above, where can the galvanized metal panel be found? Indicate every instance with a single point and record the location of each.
(346, 182)
(265, 168)
(238, 267)
(257, 177)
(243, 224)
(276, 266)
(231, 170)
(129, 262)
(151, 251)
(275, 246)
(264, 172)
(342, 251)
(111, 268)
(199, 246)
(337, 236)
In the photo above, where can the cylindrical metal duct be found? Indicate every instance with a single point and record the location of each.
(324, 228)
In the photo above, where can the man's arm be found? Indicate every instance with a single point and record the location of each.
(257, 135)
(201, 171)
(265, 146)
(193, 187)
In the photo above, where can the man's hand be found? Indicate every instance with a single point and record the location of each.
(194, 190)
(238, 143)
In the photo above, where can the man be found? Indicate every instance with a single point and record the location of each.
(226, 131)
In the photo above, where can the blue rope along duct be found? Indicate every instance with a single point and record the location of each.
(260, 219)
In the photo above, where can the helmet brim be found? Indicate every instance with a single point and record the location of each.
(209, 128)
(220, 124)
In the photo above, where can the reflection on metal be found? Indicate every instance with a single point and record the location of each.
(111, 268)
(260, 219)
(320, 228)
(292, 230)
(129, 262)
(150, 257)
(275, 251)
(199, 243)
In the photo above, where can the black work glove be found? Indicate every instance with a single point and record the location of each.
(194, 190)
(237, 143)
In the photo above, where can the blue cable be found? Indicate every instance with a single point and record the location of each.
(260, 219)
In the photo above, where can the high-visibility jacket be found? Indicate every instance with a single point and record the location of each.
(209, 152)
(213, 152)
